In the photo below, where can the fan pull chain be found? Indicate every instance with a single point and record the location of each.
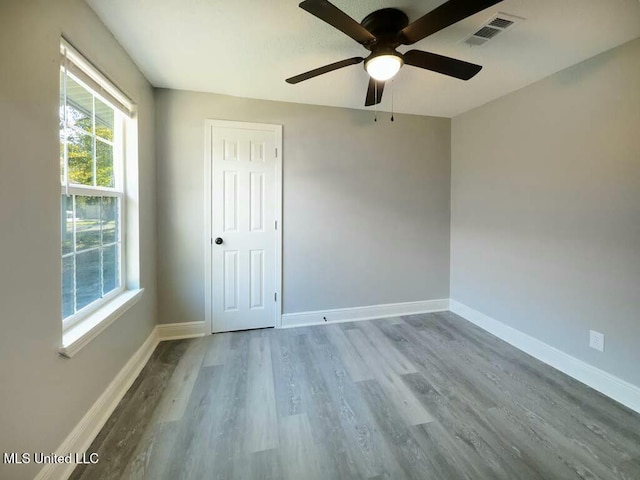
(392, 90)
(375, 101)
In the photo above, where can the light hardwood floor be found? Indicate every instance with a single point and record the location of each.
(419, 397)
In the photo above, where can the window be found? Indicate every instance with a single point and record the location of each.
(93, 119)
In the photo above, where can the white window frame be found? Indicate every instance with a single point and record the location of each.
(85, 324)
(118, 191)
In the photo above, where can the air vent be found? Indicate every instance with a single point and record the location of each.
(501, 23)
(487, 32)
(491, 29)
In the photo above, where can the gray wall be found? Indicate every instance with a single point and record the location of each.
(43, 396)
(546, 209)
(366, 205)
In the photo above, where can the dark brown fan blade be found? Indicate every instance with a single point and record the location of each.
(372, 98)
(446, 14)
(338, 19)
(438, 63)
(326, 69)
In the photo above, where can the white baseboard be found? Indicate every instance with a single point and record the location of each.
(177, 331)
(605, 383)
(338, 315)
(80, 438)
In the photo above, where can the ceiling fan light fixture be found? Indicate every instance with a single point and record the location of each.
(383, 67)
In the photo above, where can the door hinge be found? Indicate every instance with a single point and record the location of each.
(276, 152)
(211, 240)
(276, 222)
(275, 297)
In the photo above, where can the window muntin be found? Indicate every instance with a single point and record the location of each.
(92, 198)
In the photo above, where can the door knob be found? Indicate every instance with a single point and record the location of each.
(218, 241)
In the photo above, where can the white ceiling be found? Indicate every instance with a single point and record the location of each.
(247, 48)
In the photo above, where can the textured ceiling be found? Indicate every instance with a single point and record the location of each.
(247, 48)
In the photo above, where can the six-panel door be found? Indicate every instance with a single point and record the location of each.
(244, 215)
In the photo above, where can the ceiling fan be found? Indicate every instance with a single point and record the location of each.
(382, 31)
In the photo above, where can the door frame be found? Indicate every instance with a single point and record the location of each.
(209, 124)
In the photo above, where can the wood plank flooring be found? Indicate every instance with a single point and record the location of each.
(418, 397)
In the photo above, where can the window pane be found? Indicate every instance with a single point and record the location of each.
(87, 278)
(110, 268)
(66, 219)
(79, 106)
(80, 152)
(87, 222)
(110, 220)
(104, 120)
(61, 127)
(62, 182)
(104, 164)
(67, 286)
(61, 100)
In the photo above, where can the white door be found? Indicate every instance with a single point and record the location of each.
(245, 200)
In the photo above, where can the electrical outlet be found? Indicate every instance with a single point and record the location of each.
(596, 340)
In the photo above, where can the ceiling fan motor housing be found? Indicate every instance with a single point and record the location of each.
(385, 25)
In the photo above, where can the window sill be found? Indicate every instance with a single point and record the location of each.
(74, 339)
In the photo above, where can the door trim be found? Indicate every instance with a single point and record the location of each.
(209, 124)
